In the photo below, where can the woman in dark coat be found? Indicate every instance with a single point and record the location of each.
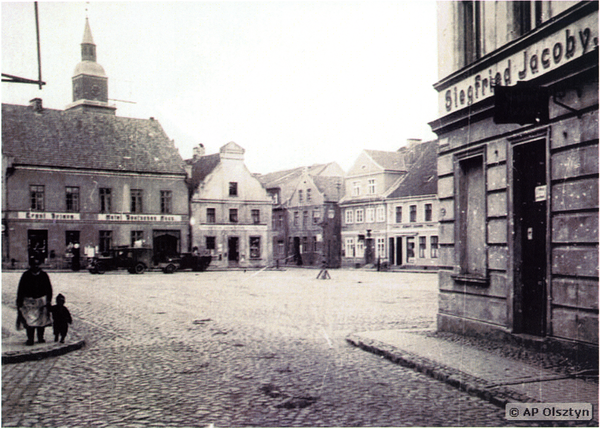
(34, 299)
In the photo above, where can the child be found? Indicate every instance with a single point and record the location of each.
(62, 319)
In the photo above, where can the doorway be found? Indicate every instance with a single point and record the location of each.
(233, 252)
(165, 243)
(530, 194)
(37, 244)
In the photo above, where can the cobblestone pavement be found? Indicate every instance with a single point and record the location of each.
(256, 348)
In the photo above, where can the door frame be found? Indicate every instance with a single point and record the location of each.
(514, 291)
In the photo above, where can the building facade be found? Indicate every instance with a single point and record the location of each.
(519, 196)
(412, 212)
(230, 210)
(364, 209)
(81, 181)
(306, 217)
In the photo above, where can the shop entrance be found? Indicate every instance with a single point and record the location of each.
(530, 204)
(37, 243)
(165, 243)
(233, 251)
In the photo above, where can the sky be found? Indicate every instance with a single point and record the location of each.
(293, 83)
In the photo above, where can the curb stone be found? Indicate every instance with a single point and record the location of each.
(12, 357)
(499, 396)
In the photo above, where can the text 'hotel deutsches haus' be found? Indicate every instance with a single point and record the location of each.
(87, 179)
(518, 170)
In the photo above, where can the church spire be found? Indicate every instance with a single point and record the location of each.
(90, 83)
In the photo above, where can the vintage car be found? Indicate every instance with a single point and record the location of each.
(195, 262)
(135, 260)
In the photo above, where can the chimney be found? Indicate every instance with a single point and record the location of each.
(199, 151)
(36, 105)
(412, 142)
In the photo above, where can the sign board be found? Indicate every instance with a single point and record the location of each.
(522, 104)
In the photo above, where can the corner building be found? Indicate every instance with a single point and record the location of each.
(85, 180)
(519, 202)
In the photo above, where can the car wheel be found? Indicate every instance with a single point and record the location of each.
(170, 268)
(140, 268)
(100, 268)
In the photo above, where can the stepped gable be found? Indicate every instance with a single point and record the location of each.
(422, 174)
(76, 139)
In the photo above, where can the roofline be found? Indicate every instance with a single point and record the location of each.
(95, 171)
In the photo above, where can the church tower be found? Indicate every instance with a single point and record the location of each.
(90, 83)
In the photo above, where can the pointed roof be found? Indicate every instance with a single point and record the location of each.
(422, 174)
(87, 33)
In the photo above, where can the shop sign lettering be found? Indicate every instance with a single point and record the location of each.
(139, 217)
(533, 61)
(28, 215)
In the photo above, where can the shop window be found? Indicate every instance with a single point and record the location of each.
(422, 246)
(105, 241)
(233, 215)
(137, 238)
(380, 248)
(471, 217)
(360, 248)
(398, 214)
(255, 247)
(233, 188)
(72, 199)
(136, 201)
(255, 216)
(166, 202)
(410, 247)
(350, 247)
(211, 243)
(105, 200)
(36, 197)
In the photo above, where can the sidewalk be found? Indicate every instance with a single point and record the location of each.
(497, 379)
(14, 349)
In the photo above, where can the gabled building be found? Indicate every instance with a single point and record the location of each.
(412, 212)
(306, 219)
(518, 182)
(364, 216)
(230, 210)
(81, 181)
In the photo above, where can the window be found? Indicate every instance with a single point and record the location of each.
(137, 238)
(410, 247)
(356, 188)
(280, 248)
(255, 247)
(211, 243)
(105, 241)
(211, 216)
(360, 216)
(370, 215)
(398, 214)
(471, 14)
(380, 214)
(360, 248)
(314, 243)
(349, 216)
(105, 200)
(471, 217)
(296, 218)
(136, 201)
(371, 187)
(233, 188)
(350, 247)
(72, 199)
(37, 198)
(428, 212)
(434, 244)
(255, 216)
(308, 195)
(305, 218)
(275, 196)
(304, 248)
(166, 202)
(422, 246)
(233, 215)
(380, 248)
(413, 213)
(316, 216)
(280, 221)
(300, 198)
